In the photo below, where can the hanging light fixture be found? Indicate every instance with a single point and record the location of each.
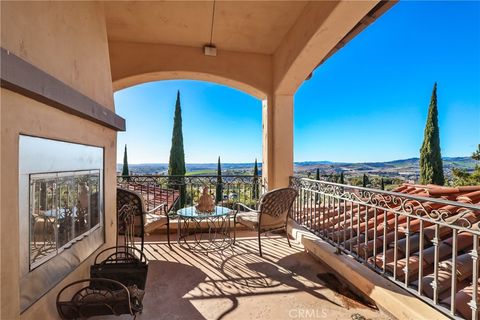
(210, 49)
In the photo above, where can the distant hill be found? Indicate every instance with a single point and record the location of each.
(404, 168)
(192, 168)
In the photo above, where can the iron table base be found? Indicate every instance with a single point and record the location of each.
(205, 233)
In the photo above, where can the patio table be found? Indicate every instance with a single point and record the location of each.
(204, 231)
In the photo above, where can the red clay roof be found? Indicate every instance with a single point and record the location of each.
(153, 195)
(360, 237)
(465, 194)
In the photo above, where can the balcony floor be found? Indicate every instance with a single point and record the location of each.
(238, 284)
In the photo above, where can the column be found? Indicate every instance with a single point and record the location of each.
(277, 126)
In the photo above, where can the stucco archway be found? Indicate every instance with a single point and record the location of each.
(135, 63)
(187, 75)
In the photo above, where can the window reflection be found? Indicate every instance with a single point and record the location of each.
(64, 208)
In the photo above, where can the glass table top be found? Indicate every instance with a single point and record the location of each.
(191, 212)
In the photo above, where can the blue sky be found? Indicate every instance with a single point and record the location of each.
(366, 103)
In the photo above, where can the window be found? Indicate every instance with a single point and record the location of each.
(60, 211)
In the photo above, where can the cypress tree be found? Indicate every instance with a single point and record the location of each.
(125, 171)
(382, 184)
(431, 166)
(219, 191)
(176, 164)
(342, 178)
(255, 190)
(317, 177)
(365, 180)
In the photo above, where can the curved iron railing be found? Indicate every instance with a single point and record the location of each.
(429, 246)
(184, 191)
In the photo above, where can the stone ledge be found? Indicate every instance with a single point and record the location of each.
(388, 296)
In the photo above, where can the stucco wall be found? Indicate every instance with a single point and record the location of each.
(68, 41)
(65, 39)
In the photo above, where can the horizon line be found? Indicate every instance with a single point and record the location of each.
(313, 161)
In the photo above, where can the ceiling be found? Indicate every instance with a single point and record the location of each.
(243, 26)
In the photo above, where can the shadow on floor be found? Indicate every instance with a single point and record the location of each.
(167, 284)
(237, 283)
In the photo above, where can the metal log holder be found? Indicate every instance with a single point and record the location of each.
(127, 265)
(96, 297)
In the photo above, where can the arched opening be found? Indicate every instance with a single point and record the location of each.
(218, 122)
(130, 81)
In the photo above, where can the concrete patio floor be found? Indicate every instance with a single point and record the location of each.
(238, 284)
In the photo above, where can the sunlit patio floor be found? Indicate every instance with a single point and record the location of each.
(238, 284)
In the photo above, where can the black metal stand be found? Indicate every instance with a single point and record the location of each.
(214, 235)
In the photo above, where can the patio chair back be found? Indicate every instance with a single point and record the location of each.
(275, 207)
(133, 202)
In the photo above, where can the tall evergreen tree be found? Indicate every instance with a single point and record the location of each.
(176, 164)
(219, 191)
(342, 178)
(382, 184)
(125, 171)
(317, 177)
(431, 165)
(365, 180)
(256, 186)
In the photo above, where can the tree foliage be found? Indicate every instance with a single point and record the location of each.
(461, 177)
(219, 189)
(256, 186)
(365, 180)
(476, 154)
(431, 165)
(176, 164)
(125, 171)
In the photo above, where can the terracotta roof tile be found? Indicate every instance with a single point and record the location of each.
(360, 233)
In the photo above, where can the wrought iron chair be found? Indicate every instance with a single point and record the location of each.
(130, 205)
(272, 213)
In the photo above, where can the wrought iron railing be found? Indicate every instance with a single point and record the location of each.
(429, 246)
(184, 191)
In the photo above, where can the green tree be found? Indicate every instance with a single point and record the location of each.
(256, 186)
(219, 190)
(317, 177)
(356, 181)
(342, 178)
(461, 177)
(176, 164)
(476, 154)
(125, 171)
(431, 165)
(382, 184)
(365, 180)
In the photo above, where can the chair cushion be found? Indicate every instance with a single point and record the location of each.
(154, 222)
(248, 219)
(251, 219)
